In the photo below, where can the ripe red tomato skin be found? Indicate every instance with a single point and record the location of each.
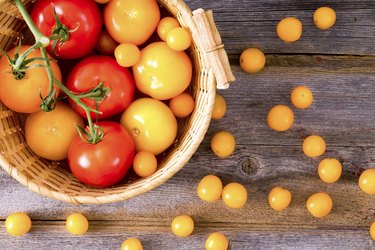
(85, 13)
(105, 163)
(89, 72)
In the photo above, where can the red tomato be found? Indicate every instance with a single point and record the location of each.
(89, 72)
(105, 163)
(82, 16)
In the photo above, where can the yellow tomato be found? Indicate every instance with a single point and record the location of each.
(314, 146)
(280, 118)
(217, 241)
(132, 244)
(182, 105)
(106, 44)
(210, 188)
(223, 144)
(49, 134)
(165, 25)
(131, 21)
(127, 54)
(234, 195)
(162, 73)
(324, 18)
(145, 164)
(77, 224)
(151, 124)
(372, 231)
(220, 108)
(289, 29)
(18, 224)
(367, 181)
(279, 198)
(183, 225)
(301, 97)
(179, 39)
(329, 170)
(252, 60)
(319, 204)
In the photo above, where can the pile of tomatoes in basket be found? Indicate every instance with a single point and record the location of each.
(120, 74)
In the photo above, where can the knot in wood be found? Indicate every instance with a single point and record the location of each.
(248, 165)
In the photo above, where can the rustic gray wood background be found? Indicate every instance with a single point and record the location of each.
(339, 67)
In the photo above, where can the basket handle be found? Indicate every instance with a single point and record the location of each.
(210, 39)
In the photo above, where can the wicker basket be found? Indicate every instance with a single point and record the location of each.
(51, 179)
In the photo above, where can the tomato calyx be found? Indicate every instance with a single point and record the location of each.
(97, 94)
(94, 134)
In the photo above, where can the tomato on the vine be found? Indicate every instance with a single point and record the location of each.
(89, 72)
(82, 23)
(105, 163)
(21, 92)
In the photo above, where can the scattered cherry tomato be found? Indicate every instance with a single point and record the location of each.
(77, 224)
(106, 45)
(179, 39)
(165, 25)
(372, 231)
(210, 188)
(289, 29)
(252, 60)
(162, 73)
(152, 125)
(182, 105)
(319, 204)
(131, 21)
(183, 226)
(132, 244)
(105, 163)
(18, 224)
(145, 164)
(280, 118)
(367, 181)
(217, 241)
(279, 198)
(49, 134)
(329, 170)
(223, 144)
(324, 18)
(91, 71)
(220, 108)
(301, 97)
(82, 21)
(23, 94)
(234, 195)
(314, 146)
(127, 54)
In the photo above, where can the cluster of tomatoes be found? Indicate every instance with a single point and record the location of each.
(121, 71)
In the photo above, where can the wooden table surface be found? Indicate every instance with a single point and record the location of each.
(339, 67)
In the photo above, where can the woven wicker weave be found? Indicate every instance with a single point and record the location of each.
(51, 179)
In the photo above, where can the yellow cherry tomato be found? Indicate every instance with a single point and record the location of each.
(165, 25)
(324, 18)
(220, 108)
(280, 118)
(162, 73)
(210, 188)
(183, 225)
(329, 170)
(279, 198)
(179, 39)
(234, 195)
(314, 146)
(217, 241)
(252, 60)
(145, 164)
(182, 105)
(367, 181)
(372, 231)
(319, 204)
(289, 29)
(18, 224)
(151, 124)
(223, 144)
(77, 224)
(127, 54)
(301, 97)
(132, 244)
